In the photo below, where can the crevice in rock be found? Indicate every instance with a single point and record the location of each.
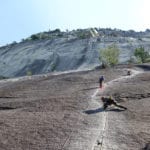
(7, 97)
(6, 108)
(133, 96)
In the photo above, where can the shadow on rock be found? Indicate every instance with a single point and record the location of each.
(144, 67)
(93, 111)
(6, 108)
(116, 110)
(98, 110)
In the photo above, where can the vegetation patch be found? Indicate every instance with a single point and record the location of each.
(109, 56)
(142, 55)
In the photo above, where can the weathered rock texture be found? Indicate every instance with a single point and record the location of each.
(59, 51)
(64, 112)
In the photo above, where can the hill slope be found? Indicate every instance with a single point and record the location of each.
(64, 112)
(60, 51)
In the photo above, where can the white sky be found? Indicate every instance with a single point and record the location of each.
(21, 18)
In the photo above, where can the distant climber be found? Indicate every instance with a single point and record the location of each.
(110, 101)
(101, 81)
(129, 72)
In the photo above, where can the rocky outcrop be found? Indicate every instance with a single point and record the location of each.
(64, 112)
(59, 51)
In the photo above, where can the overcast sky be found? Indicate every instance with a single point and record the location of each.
(21, 18)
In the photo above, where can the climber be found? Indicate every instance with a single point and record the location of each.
(110, 101)
(129, 72)
(101, 80)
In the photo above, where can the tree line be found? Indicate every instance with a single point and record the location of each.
(109, 56)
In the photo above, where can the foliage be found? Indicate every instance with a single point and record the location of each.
(109, 56)
(34, 37)
(46, 35)
(147, 60)
(29, 73)
(53, 67)
(14, 43)
(141, 54)
(56, 31)
(81, 34)
(2, 77)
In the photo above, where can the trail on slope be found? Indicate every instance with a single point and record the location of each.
(99, 140)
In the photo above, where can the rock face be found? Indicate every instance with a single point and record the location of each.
(64, 112)
(59, 51)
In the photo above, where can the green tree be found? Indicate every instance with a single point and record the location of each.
(29, 73)
(141, 54)
(109, 56)
(34, 37)
(53, 67)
